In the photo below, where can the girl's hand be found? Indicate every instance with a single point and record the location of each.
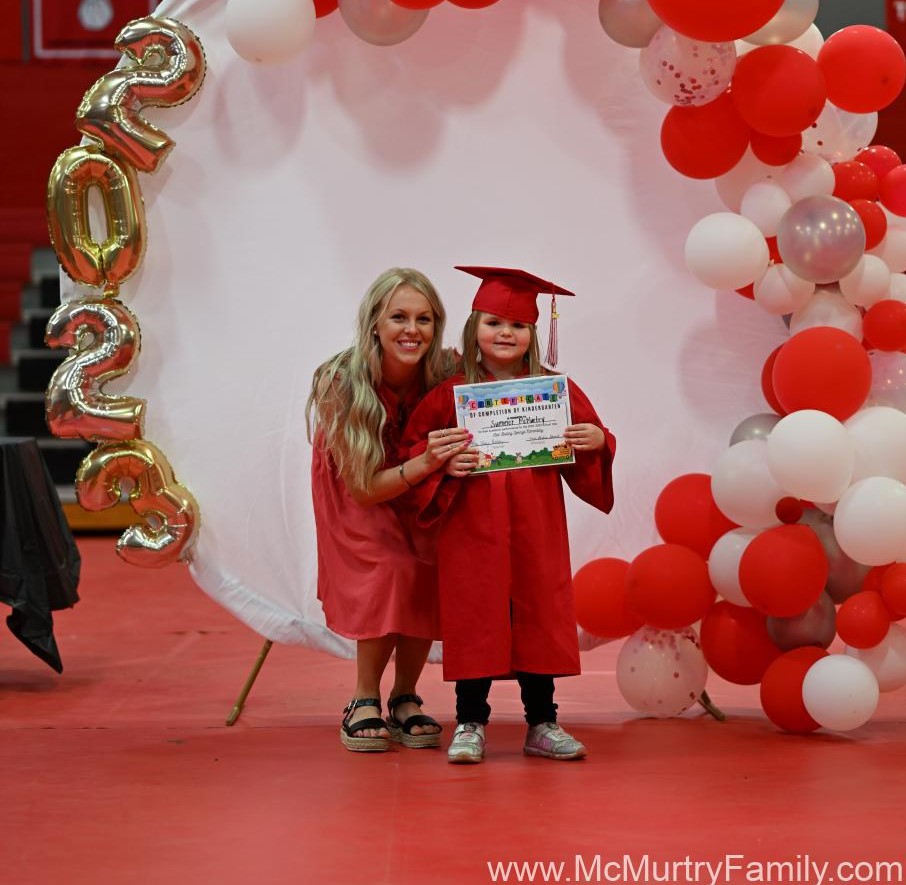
(584, 437)
(444, 444)
(463, 463)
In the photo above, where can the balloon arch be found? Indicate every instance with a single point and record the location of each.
(795, 537)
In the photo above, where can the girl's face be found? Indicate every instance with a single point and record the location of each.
(405, 329)
(503, 343)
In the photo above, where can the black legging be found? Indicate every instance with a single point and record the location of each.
(537, 697)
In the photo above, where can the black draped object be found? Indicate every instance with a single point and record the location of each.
(39, 561)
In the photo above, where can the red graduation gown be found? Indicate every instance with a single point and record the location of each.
(371, 579)
(505, 580)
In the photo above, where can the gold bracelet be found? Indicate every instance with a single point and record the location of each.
(403, 476)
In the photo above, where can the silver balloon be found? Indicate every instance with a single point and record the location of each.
(845, 575)
(792, 20)
(821, 238)
(815, 626)
(628, 22)
(754, 427)
(381, 22)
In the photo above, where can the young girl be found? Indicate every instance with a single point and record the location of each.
(506, 600)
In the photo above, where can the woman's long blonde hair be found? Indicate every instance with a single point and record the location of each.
(471, 357)
(343, 407)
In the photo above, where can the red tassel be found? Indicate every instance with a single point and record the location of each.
(552, 343)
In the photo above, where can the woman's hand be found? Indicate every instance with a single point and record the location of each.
(444, 444)
(463, 463)
(584, 437)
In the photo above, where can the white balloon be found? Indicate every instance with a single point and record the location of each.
(269, 31)
(827, 307)
(887, 660)
(781, 292)
(888, 379)
(732, 185)
(892, 249)
(867, 283)
(897, 290)
(810, 42)
(744, 488)
(726, 251)
(811, 455)
(878, 434)
(792, 20)
(840, 692)
(723, 564)
(839, 135)
(870, 520)
(807, 176)
(764, 204)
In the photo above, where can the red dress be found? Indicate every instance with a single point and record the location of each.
(371, 579)
(505, 580)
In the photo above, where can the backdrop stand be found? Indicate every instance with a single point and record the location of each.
(256, 669)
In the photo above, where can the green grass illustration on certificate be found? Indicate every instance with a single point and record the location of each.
(517, 423)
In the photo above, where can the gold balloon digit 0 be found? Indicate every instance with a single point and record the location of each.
(169, 511)
(106, 340)
(107, 264)
(165, 67)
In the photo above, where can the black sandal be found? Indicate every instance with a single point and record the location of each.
(349, 733)
(402, 731)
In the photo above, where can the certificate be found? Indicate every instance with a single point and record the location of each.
(517, 423)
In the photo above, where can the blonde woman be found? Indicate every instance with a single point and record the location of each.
(376, 578)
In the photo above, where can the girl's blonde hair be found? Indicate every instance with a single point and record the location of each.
(471, 357)
(343, 407)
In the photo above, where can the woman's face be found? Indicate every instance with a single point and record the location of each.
(405, 328)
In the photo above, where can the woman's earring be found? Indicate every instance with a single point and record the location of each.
(477, 354)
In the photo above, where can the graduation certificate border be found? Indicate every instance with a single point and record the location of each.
(518, 423)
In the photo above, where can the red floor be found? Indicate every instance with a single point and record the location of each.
(121, 771)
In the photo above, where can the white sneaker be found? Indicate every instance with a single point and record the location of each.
(552, 742)
(467, 744)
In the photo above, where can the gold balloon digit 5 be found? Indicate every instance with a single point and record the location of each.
(106, 340)
(98, 264)
(168, 508)
(165, 67)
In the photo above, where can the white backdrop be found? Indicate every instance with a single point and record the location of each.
(518, 135)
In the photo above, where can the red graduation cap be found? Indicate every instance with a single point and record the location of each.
(510, 293)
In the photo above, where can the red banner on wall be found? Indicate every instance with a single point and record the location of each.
(896, 19)
(82, 28)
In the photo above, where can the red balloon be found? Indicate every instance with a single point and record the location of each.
(736, 643)
(767, 382)
(715, 21)
(873, 220)
(893, 589)
(893, 190)
(822, 368)
(704, 141)
(873, 578)
(864, 67)
(880, 157)
(747, 291)
(685, 513)
(600, 592)
(884, 325)
(855, 181)
(781, 689)
(863, 620)
(473, 4)
(789, 510)
(325, 7)
(783, 570)
(668, 586)
(778, 90)
(776, 151)
(773, 251)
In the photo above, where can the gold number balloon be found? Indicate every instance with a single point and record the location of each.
(87, 261)
(106, 341)
(165, 67)
(168, 508)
